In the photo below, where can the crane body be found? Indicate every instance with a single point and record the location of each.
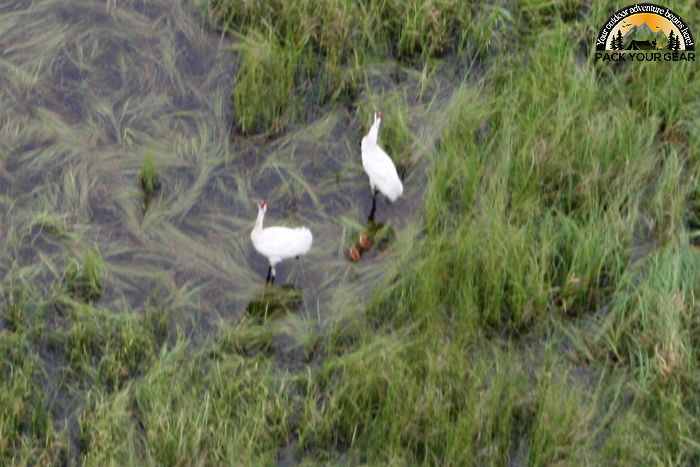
(278, 243)
(379, 167)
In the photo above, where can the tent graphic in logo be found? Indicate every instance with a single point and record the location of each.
(645, 26)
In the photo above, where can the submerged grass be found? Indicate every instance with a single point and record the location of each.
(541, 311)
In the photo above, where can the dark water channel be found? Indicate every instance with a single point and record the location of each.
(92, 88)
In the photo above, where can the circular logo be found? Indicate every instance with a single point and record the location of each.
(645, 26)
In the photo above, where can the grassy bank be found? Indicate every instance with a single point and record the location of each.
(543, 312)
(295, 57)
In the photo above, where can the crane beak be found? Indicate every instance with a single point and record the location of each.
(259, 202)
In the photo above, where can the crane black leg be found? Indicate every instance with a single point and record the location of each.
(269, 277)
(374, 206)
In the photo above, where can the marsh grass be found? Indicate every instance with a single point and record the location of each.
(298, 56)
(541, 309)
(263, 94)
(101, 347)
(99, 290)
(85, 280)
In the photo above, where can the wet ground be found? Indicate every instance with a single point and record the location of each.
(92, 88)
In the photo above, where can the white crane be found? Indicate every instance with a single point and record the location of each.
(278, 243)
(379, 167)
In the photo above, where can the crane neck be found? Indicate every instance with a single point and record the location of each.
(374, 131)
(259, 221)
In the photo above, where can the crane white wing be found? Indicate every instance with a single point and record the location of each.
(283, 242)
(381, 171)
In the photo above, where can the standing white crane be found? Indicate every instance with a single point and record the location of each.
(278, 243)
(379, 167)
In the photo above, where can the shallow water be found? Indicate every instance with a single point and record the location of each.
(90, 88)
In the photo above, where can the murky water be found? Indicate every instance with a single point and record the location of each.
(90, 88)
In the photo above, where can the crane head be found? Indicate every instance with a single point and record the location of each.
(262, 204)
(378, 116)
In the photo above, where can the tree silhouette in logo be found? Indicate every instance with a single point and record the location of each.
(677, 45)
(613, 43)
(618, 40)
(674, 42)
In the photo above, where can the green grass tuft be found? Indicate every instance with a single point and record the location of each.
(149, 180)
(85, 280)
(264, 91)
